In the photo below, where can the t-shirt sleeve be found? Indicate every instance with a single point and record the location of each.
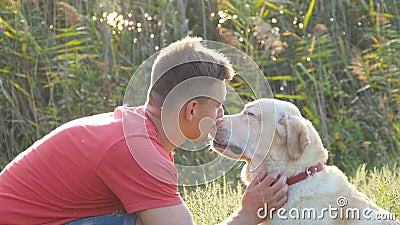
(136, 188)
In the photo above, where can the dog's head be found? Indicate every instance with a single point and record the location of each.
(269, 134)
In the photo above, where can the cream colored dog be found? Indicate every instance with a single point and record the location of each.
(271, 134)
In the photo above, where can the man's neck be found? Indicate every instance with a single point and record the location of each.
(155, 117)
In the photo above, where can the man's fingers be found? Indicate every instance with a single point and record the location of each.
(269, 179)
(259, 177)
(279, 184)
(277, 192)
(281, 192)
(268, 189)
(281, 201)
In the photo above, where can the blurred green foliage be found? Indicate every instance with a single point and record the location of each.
(337, 60)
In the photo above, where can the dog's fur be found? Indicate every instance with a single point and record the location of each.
(271, 134)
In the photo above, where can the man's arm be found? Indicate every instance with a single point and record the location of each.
(177, 215)
(270, 190)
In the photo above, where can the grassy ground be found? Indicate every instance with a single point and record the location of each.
(212, 203)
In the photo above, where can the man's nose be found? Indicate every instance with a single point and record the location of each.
(220, 113)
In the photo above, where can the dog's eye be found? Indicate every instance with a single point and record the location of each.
(248, 113)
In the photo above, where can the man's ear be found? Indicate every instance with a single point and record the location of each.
(296, 133)
(190, 109)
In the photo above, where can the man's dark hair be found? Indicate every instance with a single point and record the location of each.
(181, 61)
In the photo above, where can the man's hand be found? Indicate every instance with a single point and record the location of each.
(270, 190)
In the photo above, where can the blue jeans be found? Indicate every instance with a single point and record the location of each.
(116, 218)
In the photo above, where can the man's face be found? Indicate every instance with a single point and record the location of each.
(206, 112)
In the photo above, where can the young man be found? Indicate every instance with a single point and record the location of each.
(117, 168)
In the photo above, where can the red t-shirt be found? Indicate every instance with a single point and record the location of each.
(86, 168)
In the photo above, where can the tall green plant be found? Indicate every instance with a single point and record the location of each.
(66, 59)
(336, 60)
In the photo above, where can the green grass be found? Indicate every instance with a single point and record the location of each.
(213, 202)
(381, 185)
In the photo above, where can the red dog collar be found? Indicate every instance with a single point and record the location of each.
(308, 172)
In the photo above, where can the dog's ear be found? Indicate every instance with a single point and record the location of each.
(296, 133)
